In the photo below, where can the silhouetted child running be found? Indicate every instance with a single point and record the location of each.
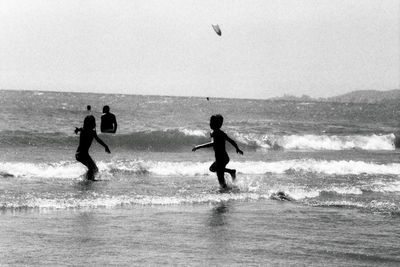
(221, 156)
(87, 133)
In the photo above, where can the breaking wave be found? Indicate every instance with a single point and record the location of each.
(70, 169)
(183, 139)
(319, 142)
(257, 181)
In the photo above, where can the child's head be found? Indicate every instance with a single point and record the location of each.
(216, 121)
(89, 122)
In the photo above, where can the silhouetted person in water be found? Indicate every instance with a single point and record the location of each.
(221, 156)
(89, 109)
(87, 133)
(108, 121)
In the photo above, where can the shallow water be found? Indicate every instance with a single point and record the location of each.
(226, 233)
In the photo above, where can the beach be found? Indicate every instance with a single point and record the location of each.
(156, 203)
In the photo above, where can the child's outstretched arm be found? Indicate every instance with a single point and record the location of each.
(233, 143)
(77, 130)
(210, 144)
(101, 143)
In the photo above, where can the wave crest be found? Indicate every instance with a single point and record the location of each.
(182, 139)
(319, 142)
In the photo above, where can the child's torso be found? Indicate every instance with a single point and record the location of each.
(85, 141)
(219, 138)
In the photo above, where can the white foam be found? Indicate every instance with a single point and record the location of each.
(69, 170)
(317, 166)
(345, 190)
(106, 201)
(252, 139)
(318, 142)
(192, 132)
(304, 192)
(385, 186)
(187, 168)
(63, 169)
(325, 142)
(96, 200)
(295, 191)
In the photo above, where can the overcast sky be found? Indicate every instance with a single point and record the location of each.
(168, 47)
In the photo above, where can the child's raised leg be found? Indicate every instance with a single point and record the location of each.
(232, 172)
(220, 170)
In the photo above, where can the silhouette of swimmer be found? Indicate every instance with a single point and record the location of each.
(221, 156)
(87, 133)
(108, 121)
(89, 110)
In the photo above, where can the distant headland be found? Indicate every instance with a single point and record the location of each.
(361, 96)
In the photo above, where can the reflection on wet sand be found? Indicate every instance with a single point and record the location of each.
(218, 215)
(219, 234)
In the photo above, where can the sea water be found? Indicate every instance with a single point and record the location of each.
(157, 203)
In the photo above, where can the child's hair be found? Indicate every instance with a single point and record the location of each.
(216, 121)
(89, 122)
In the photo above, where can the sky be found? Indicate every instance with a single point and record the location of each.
(320, 48)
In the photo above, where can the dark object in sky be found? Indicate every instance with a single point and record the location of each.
(217, 29)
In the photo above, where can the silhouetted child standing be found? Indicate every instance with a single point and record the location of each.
(221, 156)
(87, 133)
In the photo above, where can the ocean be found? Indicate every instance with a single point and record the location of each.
(156, 203)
